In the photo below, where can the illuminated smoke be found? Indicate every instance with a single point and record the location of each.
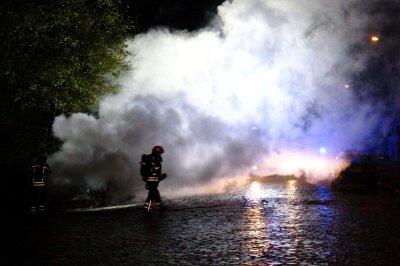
(266, 85)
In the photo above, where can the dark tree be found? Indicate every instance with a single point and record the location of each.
(57, 57)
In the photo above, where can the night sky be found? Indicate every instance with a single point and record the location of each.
(174, 14)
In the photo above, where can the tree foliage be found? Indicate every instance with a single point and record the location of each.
(60, 55)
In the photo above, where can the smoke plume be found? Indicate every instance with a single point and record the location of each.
(265, 88)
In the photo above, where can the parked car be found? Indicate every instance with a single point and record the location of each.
(355, 172)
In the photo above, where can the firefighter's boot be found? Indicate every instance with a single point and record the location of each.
(148, 206)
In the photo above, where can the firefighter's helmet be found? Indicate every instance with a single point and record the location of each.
(158, 150)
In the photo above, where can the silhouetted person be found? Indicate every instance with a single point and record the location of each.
(152, 175)
(39, 173)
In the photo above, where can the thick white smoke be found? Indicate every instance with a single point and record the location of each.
(263, 85)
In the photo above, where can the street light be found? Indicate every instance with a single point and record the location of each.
(375, 38)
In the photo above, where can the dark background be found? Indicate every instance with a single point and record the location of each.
(176, 14)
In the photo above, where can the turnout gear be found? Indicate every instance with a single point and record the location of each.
(39, 172)
(151, 172)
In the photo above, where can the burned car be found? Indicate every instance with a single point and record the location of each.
(355, 171)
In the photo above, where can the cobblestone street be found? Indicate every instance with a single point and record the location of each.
(288, 223)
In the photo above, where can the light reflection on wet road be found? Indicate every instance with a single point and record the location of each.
(287, 223)
(279, 217)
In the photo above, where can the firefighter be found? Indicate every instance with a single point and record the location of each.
(152, 174)
(39, 173)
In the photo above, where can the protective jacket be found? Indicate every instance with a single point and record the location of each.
(39, 173)
(151, 169)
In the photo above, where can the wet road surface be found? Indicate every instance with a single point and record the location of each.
(287, 223)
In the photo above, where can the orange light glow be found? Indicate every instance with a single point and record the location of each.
(375, 38)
